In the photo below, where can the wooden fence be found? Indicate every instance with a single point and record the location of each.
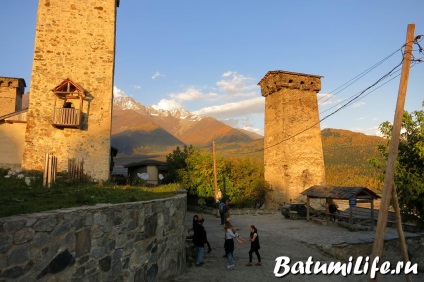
(50, 170)
(76, 169)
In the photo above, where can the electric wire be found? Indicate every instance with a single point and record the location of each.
(361, 94)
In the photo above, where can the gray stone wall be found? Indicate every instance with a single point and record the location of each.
(140, 241)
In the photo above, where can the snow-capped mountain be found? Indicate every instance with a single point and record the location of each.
(128, 103)
(138, 128)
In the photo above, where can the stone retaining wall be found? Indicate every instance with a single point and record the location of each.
(391, 251)
(139, 241)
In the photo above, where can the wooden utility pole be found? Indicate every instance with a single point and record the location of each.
(215, 177)
(389, 188)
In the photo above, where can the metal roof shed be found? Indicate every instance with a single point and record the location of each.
(352, 194)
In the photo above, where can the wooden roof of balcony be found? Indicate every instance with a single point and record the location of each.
(69, 90)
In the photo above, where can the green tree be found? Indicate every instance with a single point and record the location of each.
(240, 179)
(248, 184)
(409, 174)
(176, 161)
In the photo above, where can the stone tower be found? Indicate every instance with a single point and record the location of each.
(71, 91)
(293, 156)
(11, 91)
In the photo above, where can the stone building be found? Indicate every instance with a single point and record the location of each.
(12, 121)
(70, 109)
(293, 155)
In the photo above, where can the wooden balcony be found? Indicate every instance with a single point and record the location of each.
(67, 117)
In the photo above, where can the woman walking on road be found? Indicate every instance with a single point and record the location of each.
(229, 243)
(254, 245)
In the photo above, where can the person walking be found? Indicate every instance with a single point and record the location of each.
(199, 240)
(229, 243)
(226, 210)
(254, 245)
(221, 211)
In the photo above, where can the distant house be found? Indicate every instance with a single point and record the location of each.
(151, 171)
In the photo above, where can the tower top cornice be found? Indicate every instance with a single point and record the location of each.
(274, 81)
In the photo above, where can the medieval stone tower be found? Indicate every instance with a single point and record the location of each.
(11, 91)
(293, 156)
(71, 89)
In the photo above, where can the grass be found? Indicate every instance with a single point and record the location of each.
(16, 197)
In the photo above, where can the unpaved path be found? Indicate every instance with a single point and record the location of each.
(278, 237)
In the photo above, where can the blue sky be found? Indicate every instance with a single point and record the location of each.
(208, 56)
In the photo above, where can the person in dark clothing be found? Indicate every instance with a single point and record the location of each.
(221, 211)
(334, 211)
(199, 240)
(206, 236)
(254, 245)
(226, 210)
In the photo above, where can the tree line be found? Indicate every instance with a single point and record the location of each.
(241, 179)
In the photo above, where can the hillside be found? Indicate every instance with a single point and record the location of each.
(140, 132)
(130, 115)
(345, 158)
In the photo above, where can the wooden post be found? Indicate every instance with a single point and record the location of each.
(402, 240)
(393, 150)
(307, 208)
(372, 214)
(215, 177)
(45, 170)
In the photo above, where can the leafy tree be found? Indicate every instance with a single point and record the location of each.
(248, 184)
(409, 174)
(177, 161)
(198, 176)
(239, 179)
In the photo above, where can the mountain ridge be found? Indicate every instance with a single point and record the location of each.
(129, 116)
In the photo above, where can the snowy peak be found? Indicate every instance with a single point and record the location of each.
(128, 103)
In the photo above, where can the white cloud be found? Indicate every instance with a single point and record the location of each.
(136, 86)
(227, 74)
(167, 105)
(118, 92)
(368, 131)
(253, 129)
(156, 75)
(190, 94)
(358, 104)
(236, 84)
(246, 107)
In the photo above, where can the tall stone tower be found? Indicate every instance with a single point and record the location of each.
(71, 91)
(11, 91)
(293, 156)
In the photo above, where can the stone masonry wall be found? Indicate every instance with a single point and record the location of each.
(12, 137)
(140, 241)
(11, 91)
(75, 40)
(293, 156)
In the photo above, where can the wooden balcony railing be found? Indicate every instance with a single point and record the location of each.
(67, 117)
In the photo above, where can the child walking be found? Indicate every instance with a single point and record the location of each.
(254, 245)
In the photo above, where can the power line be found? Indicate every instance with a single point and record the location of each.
(358, 96)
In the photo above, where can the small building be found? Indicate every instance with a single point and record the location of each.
(151, 171)
(354, 195)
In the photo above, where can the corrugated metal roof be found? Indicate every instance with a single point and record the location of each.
(339, 192)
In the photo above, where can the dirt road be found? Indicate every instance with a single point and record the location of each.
(279, 237)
